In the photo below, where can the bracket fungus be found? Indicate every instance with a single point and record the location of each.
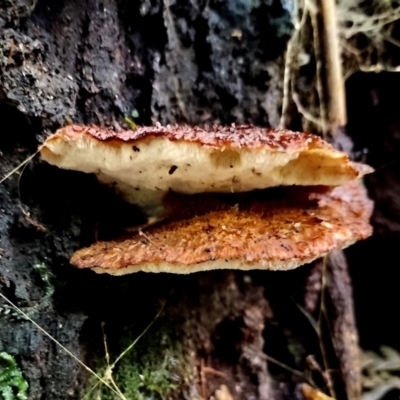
(214, 181)
(145, 164)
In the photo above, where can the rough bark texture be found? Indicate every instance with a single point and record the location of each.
(341, 321)
(99, 61)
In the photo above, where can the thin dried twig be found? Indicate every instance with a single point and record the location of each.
(203, 382)
(107, 376)
(291, 54)
(290, 369)
(318, 58)
(57, 343)
(213, 371)
(27, 214)
(304, 112)
(14, 170)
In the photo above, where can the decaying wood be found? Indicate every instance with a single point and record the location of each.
(339, 311)
(97, 61)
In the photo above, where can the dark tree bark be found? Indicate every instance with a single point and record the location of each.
(97, 61)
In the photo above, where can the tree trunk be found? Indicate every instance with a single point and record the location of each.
(244, 334)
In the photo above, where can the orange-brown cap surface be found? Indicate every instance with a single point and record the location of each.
(266, 230)
(235, 136)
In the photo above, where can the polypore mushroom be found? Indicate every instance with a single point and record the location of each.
(263, 229)
(210, 232)
(143, 165)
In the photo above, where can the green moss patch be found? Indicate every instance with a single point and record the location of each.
(154, 368)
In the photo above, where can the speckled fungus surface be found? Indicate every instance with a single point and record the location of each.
(214, 183)
(144, 164)
(253, 231)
